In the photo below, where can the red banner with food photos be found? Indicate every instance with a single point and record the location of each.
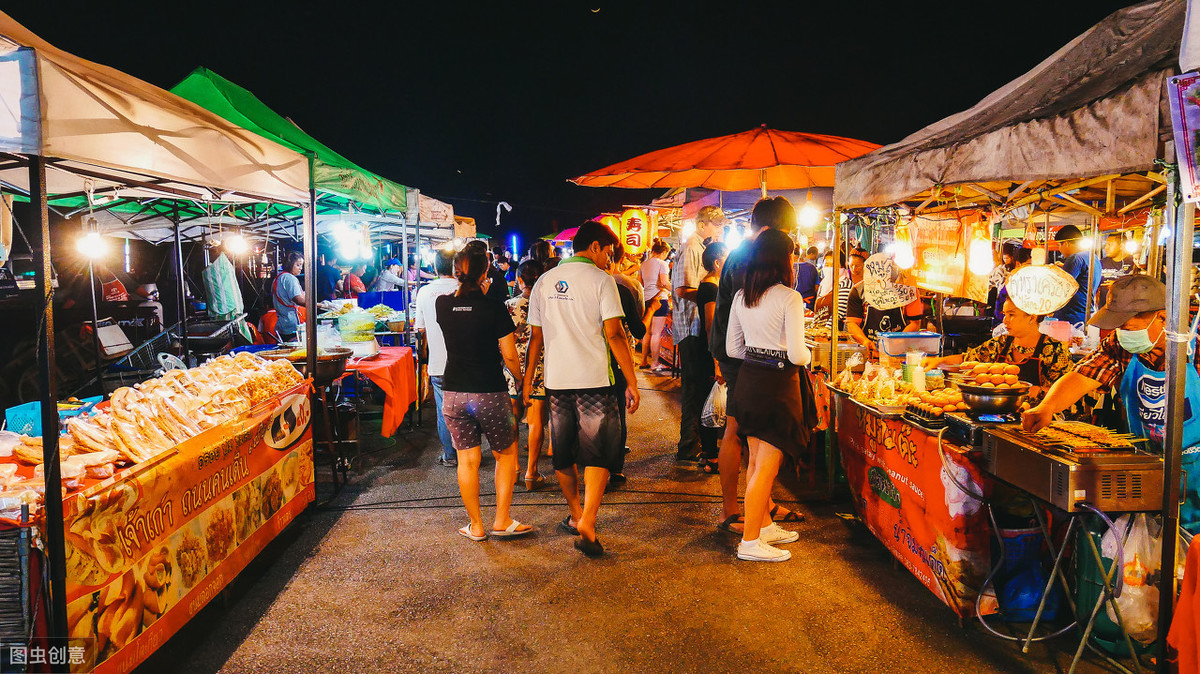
(910, 501)
(149, 547)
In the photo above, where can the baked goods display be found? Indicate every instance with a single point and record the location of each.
(990, 375)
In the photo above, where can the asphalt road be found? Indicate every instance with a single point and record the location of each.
(378, 581)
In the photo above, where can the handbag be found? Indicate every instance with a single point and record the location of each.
(808, 406)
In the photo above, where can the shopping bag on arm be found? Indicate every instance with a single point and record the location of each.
(713, 415)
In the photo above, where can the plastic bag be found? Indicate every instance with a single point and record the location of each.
(1139, 596)
(713, 415)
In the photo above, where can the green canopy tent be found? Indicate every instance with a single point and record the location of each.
(343, 188)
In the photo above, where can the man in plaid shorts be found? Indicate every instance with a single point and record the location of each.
(575, 314)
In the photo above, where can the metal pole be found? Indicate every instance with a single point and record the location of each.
(834, 341)
(95, 324)
(1179, 287)
(48, 384)
(1092, 271)
(183, 326)
(417, 241)
(310, 272)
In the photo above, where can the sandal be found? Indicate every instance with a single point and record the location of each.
(465, 532)
(728, 522)
(513, 530)
(534, 483)
(790, 516)
(709, 466)
(565, 526)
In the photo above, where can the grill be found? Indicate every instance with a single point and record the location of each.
(1115, 480)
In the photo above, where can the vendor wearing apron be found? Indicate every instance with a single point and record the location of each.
(1042, 360)
(1132, 358)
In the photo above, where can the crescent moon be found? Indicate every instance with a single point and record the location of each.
(594, 11)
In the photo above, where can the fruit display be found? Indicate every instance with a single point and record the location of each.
(990, 375)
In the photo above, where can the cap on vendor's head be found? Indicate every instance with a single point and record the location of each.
(1129, 296)
(391, 262)
(1068, 233)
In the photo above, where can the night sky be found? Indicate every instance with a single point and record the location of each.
(474, 103)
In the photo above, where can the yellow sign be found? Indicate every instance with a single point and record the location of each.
(636, 231)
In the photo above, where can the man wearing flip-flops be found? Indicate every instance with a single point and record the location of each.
(575, 313)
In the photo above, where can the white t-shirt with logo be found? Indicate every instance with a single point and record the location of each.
(426, 319)
(570, 303)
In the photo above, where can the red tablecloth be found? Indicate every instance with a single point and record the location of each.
(393, 371)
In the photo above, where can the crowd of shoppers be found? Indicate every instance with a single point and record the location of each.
(550, 342)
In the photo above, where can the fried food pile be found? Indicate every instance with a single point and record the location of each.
(160, 413)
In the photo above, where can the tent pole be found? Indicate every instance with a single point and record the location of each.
(95, 324)
(54, 531)
(183, 337)
(834, 337)
(1182, 225)
(310, 272)
(417, 239)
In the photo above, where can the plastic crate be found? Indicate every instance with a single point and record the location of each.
(26, 419)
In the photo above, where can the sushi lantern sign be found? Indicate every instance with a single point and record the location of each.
(636, 231)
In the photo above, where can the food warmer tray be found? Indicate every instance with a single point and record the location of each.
(1111, 480)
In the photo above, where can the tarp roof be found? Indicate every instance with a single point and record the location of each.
(1095, 107)
(99, 127)
(334, 174)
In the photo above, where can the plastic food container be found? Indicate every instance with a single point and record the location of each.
(894, 346)
(356, 326)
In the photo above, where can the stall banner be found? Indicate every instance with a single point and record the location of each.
(940, 249)
(148, 548)
(909, 502)
(432, 210)
(1184, 94)
(636, 231)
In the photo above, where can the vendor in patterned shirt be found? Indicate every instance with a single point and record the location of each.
(1042, 360)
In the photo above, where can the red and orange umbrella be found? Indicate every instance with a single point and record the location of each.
(760, 157)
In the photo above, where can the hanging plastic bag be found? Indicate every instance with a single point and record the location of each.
(713, 415)
(1139, 596)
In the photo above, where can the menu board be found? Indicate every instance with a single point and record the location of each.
(940, 248)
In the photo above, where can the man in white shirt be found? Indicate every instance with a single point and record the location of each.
(426, 323)
(694, 358)
(575, 313)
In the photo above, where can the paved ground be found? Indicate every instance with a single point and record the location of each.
(378, 581)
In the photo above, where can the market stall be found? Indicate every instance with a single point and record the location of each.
(80, 128)
(1080, 134)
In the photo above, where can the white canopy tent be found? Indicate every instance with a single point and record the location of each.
(96, 125)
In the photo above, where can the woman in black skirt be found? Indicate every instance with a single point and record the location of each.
(766, 330)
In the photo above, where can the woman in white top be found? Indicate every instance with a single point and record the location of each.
(766, 330)
(656, 284)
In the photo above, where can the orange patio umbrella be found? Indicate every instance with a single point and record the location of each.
(760, 157)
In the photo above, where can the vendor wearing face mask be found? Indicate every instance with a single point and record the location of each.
(1133, 358)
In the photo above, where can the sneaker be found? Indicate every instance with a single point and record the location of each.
(757, 551)
(773, 534)
(449, 463)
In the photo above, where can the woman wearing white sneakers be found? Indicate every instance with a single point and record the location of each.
(766, 331)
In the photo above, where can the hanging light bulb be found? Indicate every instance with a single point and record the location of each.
(237, 244)
(809, 214)
(903, 248)
(979, 256)
(1131, 246)
(90, 245)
